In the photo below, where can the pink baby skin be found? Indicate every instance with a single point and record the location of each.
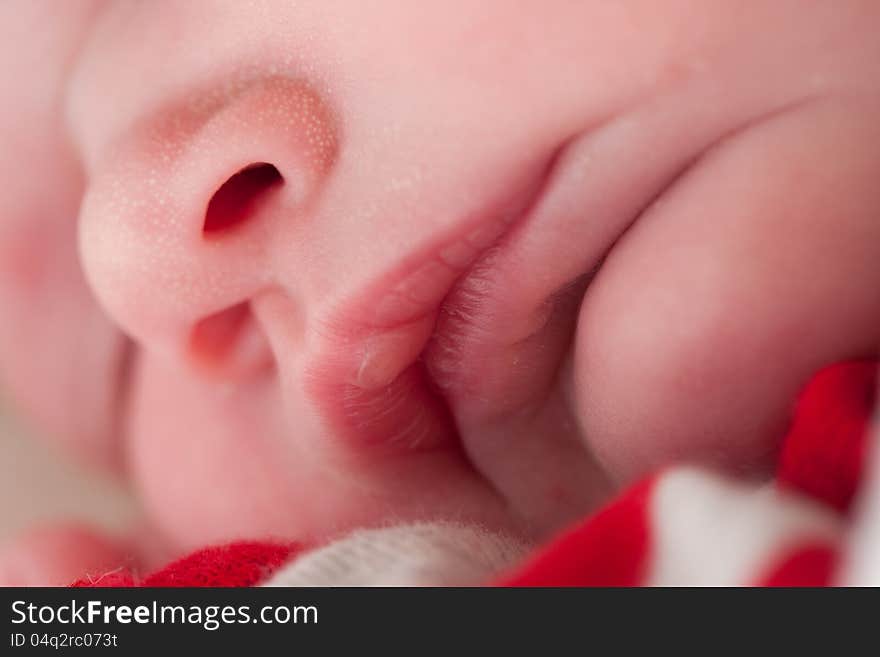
(294, 268)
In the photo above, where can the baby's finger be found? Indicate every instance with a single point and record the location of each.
(750, 273)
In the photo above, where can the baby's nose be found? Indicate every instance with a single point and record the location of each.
(182, 225)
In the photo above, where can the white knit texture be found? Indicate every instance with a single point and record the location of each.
(862, 564)
(709, 530)
(424, 554)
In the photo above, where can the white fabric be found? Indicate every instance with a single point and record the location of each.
(712, 531)
(425, 554)
(862, 565)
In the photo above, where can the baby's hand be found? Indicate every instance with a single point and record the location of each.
(445, 262)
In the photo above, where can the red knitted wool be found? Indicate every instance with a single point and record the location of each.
(808, 565)
(824, 451)
(235, 564)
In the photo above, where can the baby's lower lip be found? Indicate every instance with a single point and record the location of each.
(371, 381)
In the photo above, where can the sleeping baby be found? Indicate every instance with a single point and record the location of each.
(302, 269)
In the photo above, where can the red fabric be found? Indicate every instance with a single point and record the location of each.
(608, 549)
(235, 564)
(809, 565)
(824, 451)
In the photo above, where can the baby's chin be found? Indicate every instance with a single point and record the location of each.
(215, 463)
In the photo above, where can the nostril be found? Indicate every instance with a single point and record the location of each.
(231, 343)
(239, 197)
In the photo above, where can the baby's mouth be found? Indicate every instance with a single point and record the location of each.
(379, 376)
(378, 380)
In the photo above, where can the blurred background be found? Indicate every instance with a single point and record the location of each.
(38, 484)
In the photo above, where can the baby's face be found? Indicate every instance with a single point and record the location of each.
(382, 261)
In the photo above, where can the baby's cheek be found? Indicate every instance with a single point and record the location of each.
(754, 271)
